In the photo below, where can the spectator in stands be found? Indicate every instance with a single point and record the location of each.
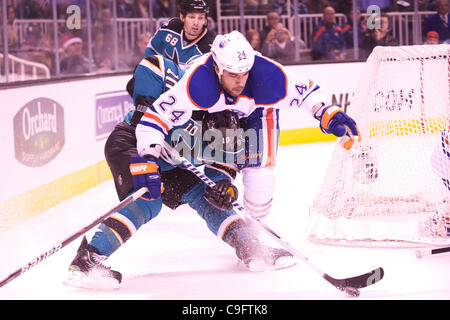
(347, 28)
(161, 8)
(34, 9)
(32, 36)
(432, 38)
(96, 7)
(73, 61)
(279, 44)
(254, 38)
(272, 19)
(125, 10)
(251, 7)
(139, 50)
(39, 48)
(439, 21)
(316, 6)
(141, 9)
(12, 29)
(328, 42)
(379, 36)
(102, 34)
(281, 6)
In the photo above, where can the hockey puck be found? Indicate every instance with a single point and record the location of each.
(353, 292)
(419, 254)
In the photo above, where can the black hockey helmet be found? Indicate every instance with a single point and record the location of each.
(187, 6)
(230, 128)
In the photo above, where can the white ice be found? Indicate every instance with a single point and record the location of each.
(175, 257)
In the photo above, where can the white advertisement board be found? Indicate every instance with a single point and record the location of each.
(339, 82)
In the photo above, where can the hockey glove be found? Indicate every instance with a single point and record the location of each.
(221, 196)
(145, 174)
(334, 120)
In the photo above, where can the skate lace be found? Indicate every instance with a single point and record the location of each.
(97, 261)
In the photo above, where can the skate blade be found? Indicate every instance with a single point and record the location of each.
(260, 265)
(93, 281)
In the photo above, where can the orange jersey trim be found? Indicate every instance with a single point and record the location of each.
(153, 117)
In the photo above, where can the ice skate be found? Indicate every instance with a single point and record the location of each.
(259, 257)
(87, 271)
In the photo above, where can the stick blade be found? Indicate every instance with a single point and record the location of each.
(357, 282)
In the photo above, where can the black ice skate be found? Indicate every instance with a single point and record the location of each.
(87, 271)
(259, 257)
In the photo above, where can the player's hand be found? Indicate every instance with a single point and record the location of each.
(222, 195)
(145, 174)
(335, 121)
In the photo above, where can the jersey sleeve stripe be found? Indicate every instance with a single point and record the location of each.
(270, 138)
(157, 120)
(154, 126)
(315, 88)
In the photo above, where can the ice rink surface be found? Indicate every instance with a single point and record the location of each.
(175, 257)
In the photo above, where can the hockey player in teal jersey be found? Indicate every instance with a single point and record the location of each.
(181, 38)
(184, 37)
(155, 75)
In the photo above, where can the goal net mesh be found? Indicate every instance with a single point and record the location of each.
(389, 188)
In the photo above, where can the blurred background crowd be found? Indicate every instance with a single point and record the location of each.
(54, 38)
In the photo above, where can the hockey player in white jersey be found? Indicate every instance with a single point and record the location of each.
(155, 75)
(233, 77)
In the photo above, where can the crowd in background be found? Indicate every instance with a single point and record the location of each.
(328, 41)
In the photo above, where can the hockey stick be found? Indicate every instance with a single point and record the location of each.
(420, 253)
(131, 198)
(348, 285)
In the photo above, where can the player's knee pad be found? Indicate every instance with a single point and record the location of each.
(258, 190)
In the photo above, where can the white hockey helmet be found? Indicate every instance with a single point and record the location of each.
(232, 52)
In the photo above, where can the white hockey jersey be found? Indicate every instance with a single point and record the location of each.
(269, 85)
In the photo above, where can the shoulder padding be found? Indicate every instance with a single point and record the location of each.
(203, 85)
(174, 24)
(267, 81)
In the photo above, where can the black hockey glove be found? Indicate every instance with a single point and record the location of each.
(221, 196)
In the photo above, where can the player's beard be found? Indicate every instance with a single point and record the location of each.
(232, 91)
(236, 91)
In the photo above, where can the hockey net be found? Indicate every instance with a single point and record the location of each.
(388, 189)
